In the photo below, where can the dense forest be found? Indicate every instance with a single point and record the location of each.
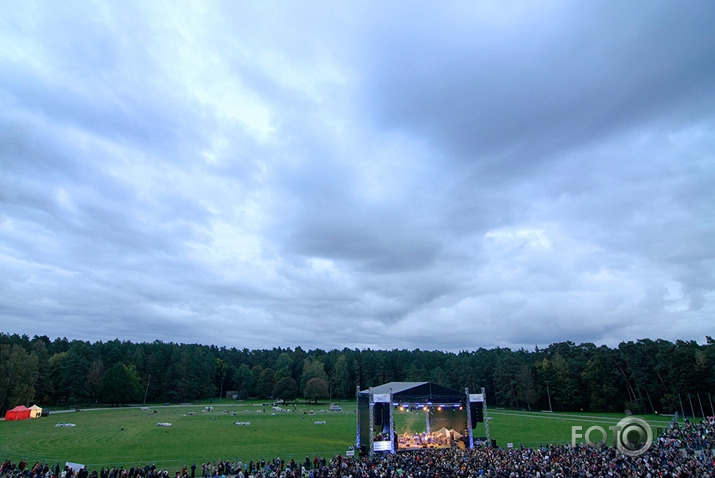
(643, 376)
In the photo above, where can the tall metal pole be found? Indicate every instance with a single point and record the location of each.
(701, 406)
(357, 402)
(392, 425)
(148, 381)
(682, 409)
(711, 404)
(469, 419)
(692, 410)
(486, 418)
(372, 423)
(548, 393)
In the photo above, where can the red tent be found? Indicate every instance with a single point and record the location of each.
(17, 413)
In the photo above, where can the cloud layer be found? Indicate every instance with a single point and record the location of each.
(371, 175)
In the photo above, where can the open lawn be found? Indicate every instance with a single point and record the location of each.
(537, 428)
(131, 436)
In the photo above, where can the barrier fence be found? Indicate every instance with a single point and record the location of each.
(171, 465)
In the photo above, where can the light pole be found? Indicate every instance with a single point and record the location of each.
(548, 393)
(147, 388)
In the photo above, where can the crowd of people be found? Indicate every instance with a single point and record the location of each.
(685, 450)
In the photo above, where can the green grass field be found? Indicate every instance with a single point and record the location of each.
(129, 436)
(537, 428)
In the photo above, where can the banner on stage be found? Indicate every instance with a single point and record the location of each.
(476, 397)
(381, 398)
(382, 445)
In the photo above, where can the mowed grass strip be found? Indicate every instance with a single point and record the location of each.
(129, 436)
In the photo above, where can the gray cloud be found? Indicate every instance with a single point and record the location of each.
(514, 91)
(358, 176)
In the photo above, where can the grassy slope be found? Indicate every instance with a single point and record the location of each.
(103, 437)
(98, 438)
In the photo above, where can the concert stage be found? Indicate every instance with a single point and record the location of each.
(402, 416)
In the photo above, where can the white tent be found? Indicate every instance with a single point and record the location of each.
(35, 411)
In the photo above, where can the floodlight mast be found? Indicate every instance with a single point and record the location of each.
(147, 388)
(372, 422)
(392, 425)
(484, 414)
(469, 419)
(357, 414)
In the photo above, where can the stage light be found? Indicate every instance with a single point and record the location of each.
(424, 408)
(439, 409)
(402, 409)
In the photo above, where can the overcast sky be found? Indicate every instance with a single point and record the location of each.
(358, 174)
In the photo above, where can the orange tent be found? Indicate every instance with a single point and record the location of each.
(18, 413)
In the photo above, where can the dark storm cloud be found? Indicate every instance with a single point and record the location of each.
(506, 93)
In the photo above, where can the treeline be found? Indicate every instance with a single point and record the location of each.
(644, 376)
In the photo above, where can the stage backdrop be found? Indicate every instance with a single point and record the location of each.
(412, 394)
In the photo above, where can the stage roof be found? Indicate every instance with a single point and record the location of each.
(417, 392)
